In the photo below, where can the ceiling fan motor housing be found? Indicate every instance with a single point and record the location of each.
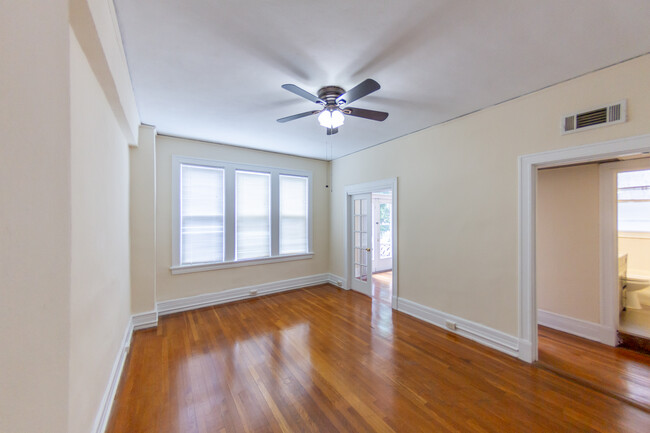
(329, 95)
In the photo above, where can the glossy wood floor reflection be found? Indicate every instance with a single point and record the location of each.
(613, 370)
(323, 360)
(382, 283)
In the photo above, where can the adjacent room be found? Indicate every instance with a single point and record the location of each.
(285, 216)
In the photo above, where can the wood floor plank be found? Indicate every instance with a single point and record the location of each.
(323, 359)
(617, 371)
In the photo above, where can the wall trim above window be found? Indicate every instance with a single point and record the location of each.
(222, 226)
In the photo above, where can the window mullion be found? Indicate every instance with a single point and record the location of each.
(230, 214)
(275, 213)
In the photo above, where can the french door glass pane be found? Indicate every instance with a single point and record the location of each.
(201, 214)
(385, 235)
(360, 239)
(252, 215)
(293, 214)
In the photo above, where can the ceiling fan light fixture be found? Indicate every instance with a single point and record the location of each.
(325, 119)
(331, 118)
(337, 119)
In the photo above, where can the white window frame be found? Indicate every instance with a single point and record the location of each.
(229, 215)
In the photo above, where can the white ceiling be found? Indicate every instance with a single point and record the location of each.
(212, 70)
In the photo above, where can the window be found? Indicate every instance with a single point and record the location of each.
(293, 214)
(201, 222)
(226, 214)
(252, 215)
(634, 201)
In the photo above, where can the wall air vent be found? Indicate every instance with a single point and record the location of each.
(596, 117)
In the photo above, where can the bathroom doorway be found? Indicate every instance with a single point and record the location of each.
(631, 210)
(591, 219)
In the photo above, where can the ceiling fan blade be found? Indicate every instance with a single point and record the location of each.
(365, 88)
(379, 116)
(332, 131)
(303, 93)
(297, 116)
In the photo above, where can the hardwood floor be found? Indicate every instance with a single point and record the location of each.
(613, 370)
(324, 359)
(382, 283)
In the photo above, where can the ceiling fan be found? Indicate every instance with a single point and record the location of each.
(335, 102)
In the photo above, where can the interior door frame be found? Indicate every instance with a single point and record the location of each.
(528, 166)
(370, 187)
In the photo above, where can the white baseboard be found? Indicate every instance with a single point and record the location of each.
(581, 328)
(144, 320)
(474, 331)
(335, 280)
(193, 302)
(104, 412)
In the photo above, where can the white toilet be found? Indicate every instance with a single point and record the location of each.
(636, 291)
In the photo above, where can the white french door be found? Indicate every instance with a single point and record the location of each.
(361, 242)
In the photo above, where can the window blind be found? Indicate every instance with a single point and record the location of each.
(201, 214)
(293, 214)
(252, 215)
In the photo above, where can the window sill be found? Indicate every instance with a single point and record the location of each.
(634, 235)
(186, 269)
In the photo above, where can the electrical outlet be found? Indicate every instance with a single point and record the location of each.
(450, 325)
(253, 292)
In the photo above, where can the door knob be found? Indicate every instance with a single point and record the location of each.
(368, 249)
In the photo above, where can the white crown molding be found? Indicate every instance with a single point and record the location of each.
(208, 299)
(580, 328)
(482, 334)
(106, 404)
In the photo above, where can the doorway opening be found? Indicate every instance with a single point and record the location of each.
(633, 249)
(371, 240)
(382, 247)
(577, 252)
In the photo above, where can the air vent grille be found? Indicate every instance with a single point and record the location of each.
(601, 116)
(591, 118)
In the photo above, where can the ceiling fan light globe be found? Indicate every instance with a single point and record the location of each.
(337, 119)
(325, 119)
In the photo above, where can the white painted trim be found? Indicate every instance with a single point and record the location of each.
(528, 165)
(106, 404)
(186, 269)
(581, 328)
(335, 280)
(634, 235)
(144, 320)
(369, 187)
(484, 335)
(231, 295)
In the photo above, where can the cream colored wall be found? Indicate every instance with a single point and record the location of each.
(34, 216)
(638, 254)
(457, 186)
(568, 241)
(142, 162)
(100, 288)
(170, 286)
